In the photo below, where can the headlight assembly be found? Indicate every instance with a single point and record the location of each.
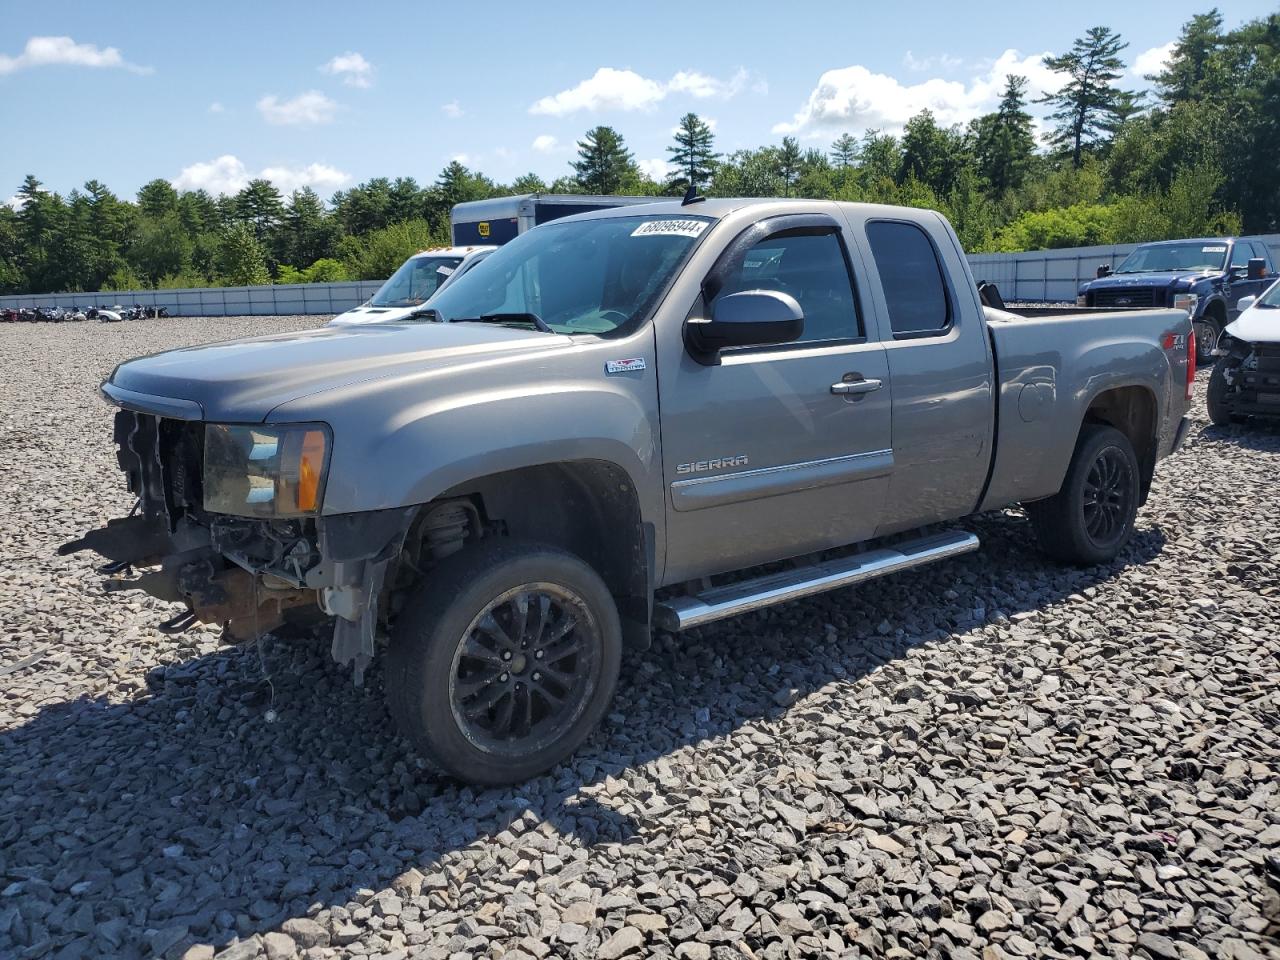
(1187, 302)
(265, 470)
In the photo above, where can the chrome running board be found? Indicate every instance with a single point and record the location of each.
(682, 613)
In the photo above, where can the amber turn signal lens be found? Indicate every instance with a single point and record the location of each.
(310, 469)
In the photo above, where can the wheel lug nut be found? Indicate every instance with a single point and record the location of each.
(505, 677)
(506, 654)
(537, 655)
(537, 676)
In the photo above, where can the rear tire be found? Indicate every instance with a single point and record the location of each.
(504, 661)
(1216, 396)
(1091, 519)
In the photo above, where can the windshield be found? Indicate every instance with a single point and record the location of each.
(583, 276)
(415, 281)
(1160, 257)
(1270, 299)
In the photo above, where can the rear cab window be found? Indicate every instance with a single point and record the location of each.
(911, 276)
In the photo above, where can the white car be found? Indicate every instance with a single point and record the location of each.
(417, 280)
(1246, 378)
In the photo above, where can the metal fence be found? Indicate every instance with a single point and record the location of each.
(1037, 275)
(273, 300)
(1054, 275)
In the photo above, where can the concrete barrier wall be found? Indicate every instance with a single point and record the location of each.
(1036, 275)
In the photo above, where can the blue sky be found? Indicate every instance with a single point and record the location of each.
(331, 94)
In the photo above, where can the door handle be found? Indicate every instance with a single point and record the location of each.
(856, 387)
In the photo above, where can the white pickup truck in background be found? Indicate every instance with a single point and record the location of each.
(414, 283)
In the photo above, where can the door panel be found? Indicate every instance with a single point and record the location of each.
(775, 452)
(1244, 287)
(940, 363)
(809, 470)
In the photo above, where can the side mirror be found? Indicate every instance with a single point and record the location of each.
(1244, 303)
(1257, 268)
(1104, 270)
(751, 318)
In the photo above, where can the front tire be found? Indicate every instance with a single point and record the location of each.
(504, 662)
(1091, 519)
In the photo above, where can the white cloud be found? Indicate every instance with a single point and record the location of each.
(452, 109)
(1153, 61)
(462, 158)
(943, 61)
(702, 86)
(655, 169)
(612, 89)
(15, 202)
(319, 176)
(216, 107)
(545, 143)
(63, 51)
(228, 174)
(354, 69)
(306, 109)
(854, 98)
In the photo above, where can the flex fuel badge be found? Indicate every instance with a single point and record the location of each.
(624, 366)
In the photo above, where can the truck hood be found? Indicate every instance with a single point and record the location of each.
(242, 381)
(1162, 279)
(1257, 325)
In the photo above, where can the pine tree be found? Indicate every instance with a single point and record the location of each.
(604, 163)
(259, 204)
(844, 152)
(528, 183)
(1187, 72)
(1004, 141)
(692, 155)
(157, 198)
(308, 232)
(1088, 106)
(788, 159)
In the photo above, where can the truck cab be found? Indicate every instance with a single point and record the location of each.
(1206, 276)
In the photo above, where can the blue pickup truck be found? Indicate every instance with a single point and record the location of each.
(1206, 277)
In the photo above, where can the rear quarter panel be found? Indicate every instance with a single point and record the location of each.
(1051, 369)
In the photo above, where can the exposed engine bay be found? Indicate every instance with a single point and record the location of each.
(254, 576)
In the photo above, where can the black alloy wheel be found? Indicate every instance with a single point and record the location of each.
(525, 669)
(1107, 491)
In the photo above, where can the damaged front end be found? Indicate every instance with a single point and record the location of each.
(278, 567)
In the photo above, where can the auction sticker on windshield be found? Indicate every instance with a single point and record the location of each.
(1213, 249)
(670, 228)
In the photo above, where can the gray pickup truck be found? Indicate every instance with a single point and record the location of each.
(621, 421)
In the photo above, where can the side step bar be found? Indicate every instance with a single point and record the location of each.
(683, 613)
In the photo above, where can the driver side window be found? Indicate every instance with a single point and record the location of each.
(811, 268)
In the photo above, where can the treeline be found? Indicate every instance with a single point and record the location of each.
(1201, 156)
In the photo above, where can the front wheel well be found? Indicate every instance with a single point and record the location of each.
(1132, 411)
(1216, 311)
(588, 507)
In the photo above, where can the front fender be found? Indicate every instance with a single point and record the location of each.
(401, 443)
(1211, 299)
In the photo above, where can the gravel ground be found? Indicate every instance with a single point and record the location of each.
(994, 757)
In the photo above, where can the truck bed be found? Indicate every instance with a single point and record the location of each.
(1050, 368)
